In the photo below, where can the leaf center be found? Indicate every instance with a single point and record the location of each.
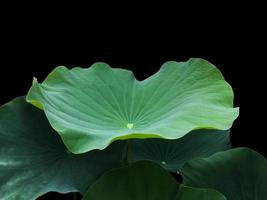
(130, 125)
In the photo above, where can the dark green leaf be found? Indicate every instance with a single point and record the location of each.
(34, 160)
(240, 174)
(172, 154)
(145, 180)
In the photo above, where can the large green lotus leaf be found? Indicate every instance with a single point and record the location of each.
(90, 108)
(145, 180)
(172, 154)
(240, 174)
(34, 160)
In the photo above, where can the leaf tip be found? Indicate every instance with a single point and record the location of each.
(34, 80)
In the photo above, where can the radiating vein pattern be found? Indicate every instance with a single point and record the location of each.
(92, 107)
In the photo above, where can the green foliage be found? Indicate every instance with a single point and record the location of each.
(34, 160)
(177, 120)
(173, 154)
(145, 180)
(240, 174)
(90, 108)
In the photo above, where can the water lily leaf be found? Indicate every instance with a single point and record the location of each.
(90, 108)
(173, 154)
(239, 174)
(34, 160)
(145, 180)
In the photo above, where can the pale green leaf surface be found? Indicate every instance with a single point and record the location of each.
(34, 160)
(90, 108)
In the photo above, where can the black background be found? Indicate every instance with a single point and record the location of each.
(233, 45)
